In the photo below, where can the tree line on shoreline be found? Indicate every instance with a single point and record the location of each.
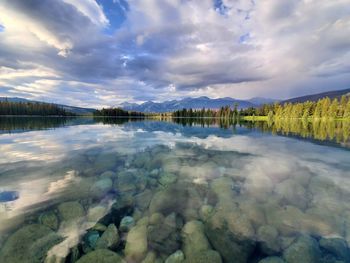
(32, 108)
(322, 109)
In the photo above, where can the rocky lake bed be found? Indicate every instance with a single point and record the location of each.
(180, 199)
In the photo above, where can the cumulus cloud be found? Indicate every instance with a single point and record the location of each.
(172, 48)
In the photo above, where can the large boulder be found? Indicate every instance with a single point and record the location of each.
(232, 247)
(49, 219)
(305, 249)
(70, 211)
(136, 246)
(101, 256)
(101, 187)
(163, 235)
(193, 238)
(268, 239)
(109, 238)
(337, 247)
(29, 244)
(172, 199)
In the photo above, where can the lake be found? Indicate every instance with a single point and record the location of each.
(188, 190)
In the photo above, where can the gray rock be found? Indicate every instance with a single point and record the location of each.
(101, 256)
(233, 248)
(29, 244)
(164, 236)
(177, 257)
(338, 247)
(268, 237)
(207, 256)
(272, 260)
(109, 239)
(305, 249)
(126, 224)
(70, 211)
(49, 219)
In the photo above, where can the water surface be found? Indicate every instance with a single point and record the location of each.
(78, 190)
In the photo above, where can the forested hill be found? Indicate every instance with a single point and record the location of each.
(337, 94)
(32, 108)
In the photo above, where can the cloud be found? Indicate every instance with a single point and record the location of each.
(137, 50)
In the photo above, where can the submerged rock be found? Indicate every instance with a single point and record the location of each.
(167, 179)
(29, 244)
(272, 260)
(206, 256)
(90, 240)
(101, 256)
(101, 187)
(49, 219)
(194, 239)
(126, 224)
(143, 199)
(268, 238)
(164, 236)
(177, 257)
(109, 239)
(338, 247)
(136, 246)
(305, 249)
(233, 248)
(70, 211)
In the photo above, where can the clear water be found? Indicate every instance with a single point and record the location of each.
(85, 190)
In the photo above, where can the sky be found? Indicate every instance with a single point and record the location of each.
(105, 52)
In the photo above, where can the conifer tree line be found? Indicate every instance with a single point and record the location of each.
(31, 108)
(117, 112)
(324, 108)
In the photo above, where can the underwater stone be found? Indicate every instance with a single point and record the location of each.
(167, 179)
(206, 211)
(172, 199)
(91, 238)
(49, 219)
(70, 211)
(109, 239)
(164, 236)
(193, 238)
(136, 242)
(126, 224)
(207, 256)
(268, 238)
(293, 192)
(126, 182)
(150, 257)
(176, 257)
(99, 227)
(101, 187)
(272, 260)
(29, 244)
(305, 249)
(337, 247)
(233, 248)
(143, 199)
(101, 256)
(108, 174)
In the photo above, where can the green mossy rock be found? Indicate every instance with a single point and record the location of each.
(109, 239)
(29, 244)
(101, 256)
(207, 256)
(305, 249)
(272, 260)
(49, 219)
(70, 211)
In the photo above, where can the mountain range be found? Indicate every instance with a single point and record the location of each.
(196, 103)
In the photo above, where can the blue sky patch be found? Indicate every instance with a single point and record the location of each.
(116, 12)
